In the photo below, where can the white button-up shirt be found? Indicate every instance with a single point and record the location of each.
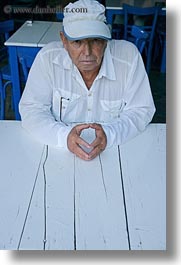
(56, 98)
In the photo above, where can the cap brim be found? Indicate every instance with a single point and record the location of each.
(78, 30)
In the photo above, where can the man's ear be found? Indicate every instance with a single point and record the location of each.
(64, 40)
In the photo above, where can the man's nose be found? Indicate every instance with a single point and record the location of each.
(87, 48)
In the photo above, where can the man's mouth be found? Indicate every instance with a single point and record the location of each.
(87, 61)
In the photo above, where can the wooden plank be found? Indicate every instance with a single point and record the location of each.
(59, 195)
(20, 157)
(144, 175)
(33, 233)
(29, 34)
(99, 209)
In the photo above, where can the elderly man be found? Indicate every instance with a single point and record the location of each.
(86, 81)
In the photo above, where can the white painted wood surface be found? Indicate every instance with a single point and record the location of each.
(50, 199)
(100, 217)
(52, 34)
(36, 34)
(20, 158)
(143, 162)
(59, 173)
(33, 234)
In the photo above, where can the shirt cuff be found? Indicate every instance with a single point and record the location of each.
(109, 134)
(63, 133)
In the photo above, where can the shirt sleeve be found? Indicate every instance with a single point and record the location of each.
(35, 107)
(139, 107)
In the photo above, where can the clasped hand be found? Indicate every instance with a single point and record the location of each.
(74, 141)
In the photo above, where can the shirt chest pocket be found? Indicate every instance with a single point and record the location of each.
(64, 105)
(112, 109)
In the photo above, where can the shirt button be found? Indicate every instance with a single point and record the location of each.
(89, 109)
(90, 94)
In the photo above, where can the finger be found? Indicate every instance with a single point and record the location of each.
(98, 130)
(95, 152)
(100, 142)
(95, 126)
(80, 127)
(82, 142)
(81, 153)
(96, 142)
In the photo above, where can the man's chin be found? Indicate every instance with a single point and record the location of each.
(87, 67)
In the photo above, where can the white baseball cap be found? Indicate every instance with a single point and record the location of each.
(85, 19)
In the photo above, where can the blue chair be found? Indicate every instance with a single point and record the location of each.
(140, 37)
(163, 60)
(145, 19)
(3, 86)
(59, 16)
(6, 27)
(26, 58)
(112, 15)
(26, 62)
(2, 105)
(159, 56)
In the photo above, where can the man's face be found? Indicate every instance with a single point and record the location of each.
(86, 54)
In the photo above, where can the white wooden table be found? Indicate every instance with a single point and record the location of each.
(29, 39)
(50, 199)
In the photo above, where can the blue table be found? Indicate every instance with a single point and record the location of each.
(29, 38)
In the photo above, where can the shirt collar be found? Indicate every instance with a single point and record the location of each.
(107, 68)
(67, 62)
